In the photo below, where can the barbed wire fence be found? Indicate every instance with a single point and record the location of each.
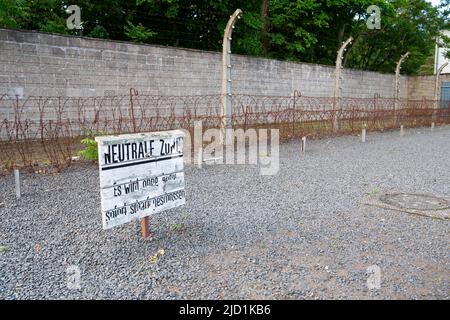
(47, 131)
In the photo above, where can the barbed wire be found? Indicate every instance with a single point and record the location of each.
(48, 129)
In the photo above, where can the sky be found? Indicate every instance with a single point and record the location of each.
(435, 2)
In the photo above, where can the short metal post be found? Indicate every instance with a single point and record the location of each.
(402, 132)
(17, 181)
(303, 145)
(363, 135)
(432, 126)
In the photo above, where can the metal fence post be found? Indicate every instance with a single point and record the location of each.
(437, 90)
(337, 89)
(133, 92)
(294, 109)
(227, 107)
(397, 85)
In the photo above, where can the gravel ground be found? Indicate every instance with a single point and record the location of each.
(299, 234)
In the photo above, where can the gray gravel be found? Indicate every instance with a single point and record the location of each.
(299, 234)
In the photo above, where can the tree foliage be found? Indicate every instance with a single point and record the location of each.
(297, 30)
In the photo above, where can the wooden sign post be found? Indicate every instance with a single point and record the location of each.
(140, 174)
(145, 231)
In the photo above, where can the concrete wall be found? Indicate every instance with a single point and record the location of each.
(422, 87)
(49, 65)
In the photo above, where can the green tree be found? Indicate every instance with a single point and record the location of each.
(297, 30)
(99, 32)
(407, 25)
(12, 13)
(138, 33)
(47, 16)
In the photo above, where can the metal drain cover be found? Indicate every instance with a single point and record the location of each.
(416, 203)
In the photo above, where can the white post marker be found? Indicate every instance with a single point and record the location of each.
(402, 132)
(17, 183)
(140, 174)
(432, 126)
(303, 145)
(363, 135)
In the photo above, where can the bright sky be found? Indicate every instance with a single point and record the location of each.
(435, 2)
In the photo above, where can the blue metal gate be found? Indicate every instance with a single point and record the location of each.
(445, 95)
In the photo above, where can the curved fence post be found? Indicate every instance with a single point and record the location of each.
(397, 85)
(337, 89)
(227, 107)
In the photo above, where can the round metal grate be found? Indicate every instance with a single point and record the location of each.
(415, 201)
